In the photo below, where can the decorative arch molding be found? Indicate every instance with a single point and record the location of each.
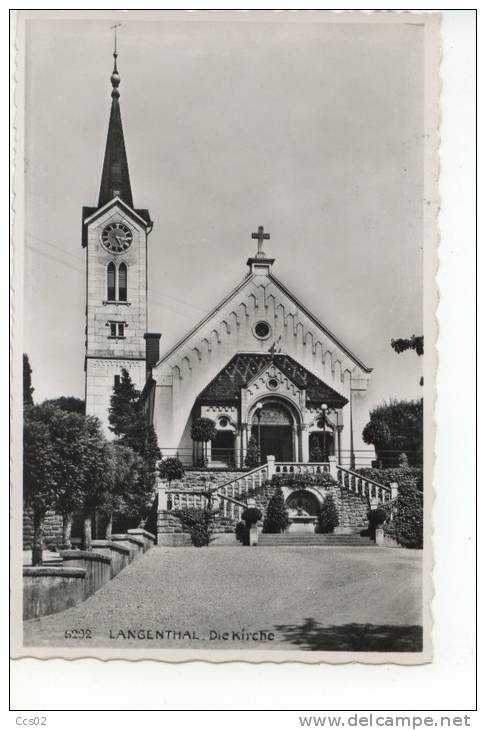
(280, 400)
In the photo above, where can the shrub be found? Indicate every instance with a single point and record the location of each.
(412, 475)
(200, 524)
(251, 459)
(241, 533)
(251, 515)
(408, 523)
(277, 516)
(301, 481)
(171, 468)
(377, 517)
(328, 517)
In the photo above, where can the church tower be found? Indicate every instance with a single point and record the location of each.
(115, 237)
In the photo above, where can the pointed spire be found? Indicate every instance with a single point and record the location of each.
(115, 178)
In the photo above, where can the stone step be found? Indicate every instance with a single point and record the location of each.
(347, 540)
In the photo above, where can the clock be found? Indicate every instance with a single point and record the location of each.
(116, 237)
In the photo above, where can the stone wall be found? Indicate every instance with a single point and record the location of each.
(52, 529)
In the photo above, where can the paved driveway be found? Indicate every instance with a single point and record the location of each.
(355, 599)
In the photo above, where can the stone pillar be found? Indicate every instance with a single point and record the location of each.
(244, 442)
(379, 536)
(296, 439)
(270, 466)
(373, 502)
(162, 497)
(208, 446)
(394, 490)
(238, 463)
(333, 466)
(304, 438)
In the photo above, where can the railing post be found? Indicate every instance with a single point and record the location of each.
(333, 466)
(270, 466)
(394, 490)
(162, 497)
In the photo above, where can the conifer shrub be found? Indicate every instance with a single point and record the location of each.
(251, 459)
(276, 517)
(328, 517)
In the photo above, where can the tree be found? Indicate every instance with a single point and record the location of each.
(328, 517)
(276, 516)
(97, 476)
(395, 428)
(40, 480)
(123, 474)
(411, 343)
(171, 468)
(128, 421)
(68, 403)
(68, 433)
(27, 381)
(251, 459)
(414, 342)
(203, 430)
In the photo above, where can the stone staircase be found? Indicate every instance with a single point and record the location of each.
(303, 539)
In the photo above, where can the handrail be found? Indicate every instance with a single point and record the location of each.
(367, 479)
(243, 475)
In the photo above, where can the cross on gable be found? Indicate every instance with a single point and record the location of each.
(260, 236)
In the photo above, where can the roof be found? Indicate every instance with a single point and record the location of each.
(291, 296)
(244, 366)
(115, 178)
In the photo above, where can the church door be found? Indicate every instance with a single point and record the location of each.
(275, 432)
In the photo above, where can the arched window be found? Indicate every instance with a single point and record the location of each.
(110, 277)
(122, 283)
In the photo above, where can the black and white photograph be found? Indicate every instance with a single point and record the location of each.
(225, 330)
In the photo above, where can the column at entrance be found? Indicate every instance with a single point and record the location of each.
(296, 449)
(304, 440)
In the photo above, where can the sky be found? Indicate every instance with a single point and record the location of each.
(312, 129)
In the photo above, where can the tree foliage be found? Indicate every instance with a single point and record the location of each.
(27, 381)
(69, 404)
(395, 428)
(276, 515)
(328, 517)
(40, 479)
(414, 342)
(129, 423)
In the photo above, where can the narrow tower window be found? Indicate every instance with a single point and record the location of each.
(110, 276)
(122, 283)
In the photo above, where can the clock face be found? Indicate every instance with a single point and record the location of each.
(116, 237)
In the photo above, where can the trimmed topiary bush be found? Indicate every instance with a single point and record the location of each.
(251, 515)
(277, 516)
(171, 468)
(377, 517)
(328, 517)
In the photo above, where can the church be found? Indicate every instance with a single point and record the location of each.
(260, 365)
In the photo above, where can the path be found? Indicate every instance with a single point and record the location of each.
(314, 598)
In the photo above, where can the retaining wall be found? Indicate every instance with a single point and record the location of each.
(49, 589)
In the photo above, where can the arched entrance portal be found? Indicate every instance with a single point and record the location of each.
(273, 429)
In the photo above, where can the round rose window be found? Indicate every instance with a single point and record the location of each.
(262, 330)
(273, 383)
